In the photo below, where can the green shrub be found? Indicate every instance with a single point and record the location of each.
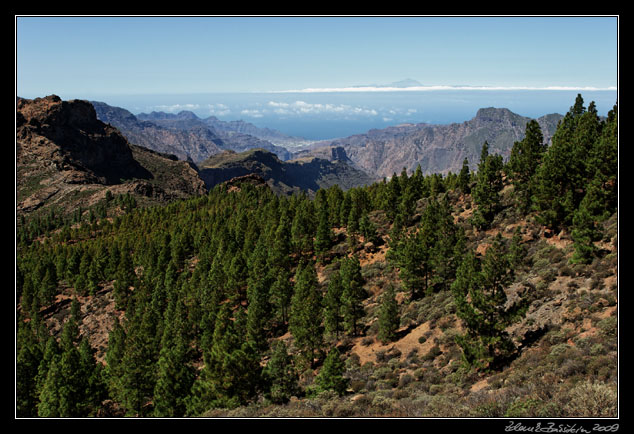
(524, 407)
(433, 352)
(490, 409)
(405, 380)
(608, 327)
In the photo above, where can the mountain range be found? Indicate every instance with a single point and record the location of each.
(436, 148)
(65, 146)
(67, 159)
(189, 137)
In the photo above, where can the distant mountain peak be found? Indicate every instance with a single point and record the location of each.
(186, 114)
(408, 82)
(494, 113)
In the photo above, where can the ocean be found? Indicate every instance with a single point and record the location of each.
(329, 115)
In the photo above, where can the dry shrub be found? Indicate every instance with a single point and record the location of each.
(589, 399)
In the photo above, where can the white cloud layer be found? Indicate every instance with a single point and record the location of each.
(176, 108)
(303, 107)
(440, 87)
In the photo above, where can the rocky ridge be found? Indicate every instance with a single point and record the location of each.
(66, 159)
(284, 177)
(437, 148)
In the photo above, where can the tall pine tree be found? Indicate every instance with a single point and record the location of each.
(305, 321)
(526, 156)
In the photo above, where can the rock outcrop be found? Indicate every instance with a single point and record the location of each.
(66, 158)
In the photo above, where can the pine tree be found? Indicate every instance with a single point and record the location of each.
(94, 390)
(389, 320)
(393, 197)
(447, 246)
(335, 198)
(258, 286)
(234, 362)
(425, 250)
(279, 253)
(330, 376)
(407, 206)
(175, 373)
(481, 304)
(281, 293)
(303, 227)
(305, 321)
(368, 230)
(487, 188)
(352, 294)
(413, 259)
(63, 393)
(324, 236)
(464, 178)
(138, 364)
(114, 356)
(333, 317)
(517, 252)
(603, 166)
(585, 231)
(280, 375)
(526, 156)
(28, 358)
(50, 396)
(566, 168)
(51, 351)
(236, 282)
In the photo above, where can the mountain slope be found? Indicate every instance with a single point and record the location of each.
(308, 174)
(438, 148)
(66, 159)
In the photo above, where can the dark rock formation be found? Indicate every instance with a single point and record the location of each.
(66, 158)
(84, 142)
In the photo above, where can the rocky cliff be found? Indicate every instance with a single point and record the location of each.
(66, 158)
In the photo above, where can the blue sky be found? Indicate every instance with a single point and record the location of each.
(87, 57)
